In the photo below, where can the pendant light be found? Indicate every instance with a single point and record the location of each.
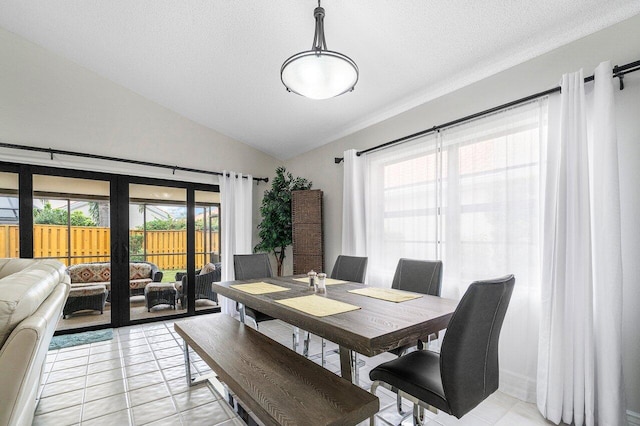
(319, 73)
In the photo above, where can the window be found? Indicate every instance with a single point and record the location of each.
(71, 219)
(468, 195)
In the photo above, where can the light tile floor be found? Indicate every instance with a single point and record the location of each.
(138, 378)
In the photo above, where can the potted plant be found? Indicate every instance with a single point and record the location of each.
(275, 228)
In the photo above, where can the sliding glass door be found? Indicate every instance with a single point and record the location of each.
(207, 247)
(71, 223)
(127, 242)
(157, 246)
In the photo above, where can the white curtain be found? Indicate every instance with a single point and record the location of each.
(491, 209)
(470, 197)
(578, 380)
(236, 225)
(353, 211)
(401, 206)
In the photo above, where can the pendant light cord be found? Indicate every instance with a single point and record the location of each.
(319, 42)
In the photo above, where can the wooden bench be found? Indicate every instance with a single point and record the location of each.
(280, 386)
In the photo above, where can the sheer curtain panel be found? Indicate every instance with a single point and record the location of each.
(236, 225)
(491, 185)
(468, 195)
(353, 212)
(401, 207)
(580, 381)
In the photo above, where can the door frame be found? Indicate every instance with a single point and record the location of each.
(119, 224)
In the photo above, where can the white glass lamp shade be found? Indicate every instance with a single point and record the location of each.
(319, 74)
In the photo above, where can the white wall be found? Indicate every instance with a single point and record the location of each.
(48, 101)
(620, 44)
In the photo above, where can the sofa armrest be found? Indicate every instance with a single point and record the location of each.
(22, 359)
(157, 276)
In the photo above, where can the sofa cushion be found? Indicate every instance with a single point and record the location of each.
(87, 290)
(139, 270)
(22, 292)
(106, 284)
(90, 272)
(209, 267)
(142, 283)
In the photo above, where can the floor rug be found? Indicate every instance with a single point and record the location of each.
(67, 340)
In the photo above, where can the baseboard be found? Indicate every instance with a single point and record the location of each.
(518, 386)
(633, 418)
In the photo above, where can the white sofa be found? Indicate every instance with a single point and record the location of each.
(32, 295)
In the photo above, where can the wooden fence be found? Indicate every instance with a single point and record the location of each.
(9, 241)
(167, 249)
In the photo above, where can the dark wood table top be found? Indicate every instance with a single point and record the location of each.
(375, 328)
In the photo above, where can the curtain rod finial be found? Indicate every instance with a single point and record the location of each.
(338, 160)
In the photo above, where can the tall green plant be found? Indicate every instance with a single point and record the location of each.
(275, 227)
(47, 215)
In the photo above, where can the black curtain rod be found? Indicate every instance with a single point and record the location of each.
(52, 151)
(618, 72)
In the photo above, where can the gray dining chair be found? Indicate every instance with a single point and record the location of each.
(350, 268)
(248, 267)
(466, 370)
(418, 276)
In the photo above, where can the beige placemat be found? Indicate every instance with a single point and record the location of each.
(259, 288)
(327, 281)
(318, 306)
(388, 294)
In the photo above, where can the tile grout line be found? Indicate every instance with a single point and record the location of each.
(125, 383)
(164, 379)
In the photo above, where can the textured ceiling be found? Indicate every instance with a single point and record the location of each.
(218, 62)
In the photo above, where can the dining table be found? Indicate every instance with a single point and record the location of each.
(369, 325)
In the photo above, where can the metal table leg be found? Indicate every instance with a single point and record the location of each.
(187, 364)
(346, 364)
(241, 310)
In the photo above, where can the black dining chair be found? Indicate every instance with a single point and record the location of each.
(465, 372)
(418, 276)
(248, 267)
(350, 268)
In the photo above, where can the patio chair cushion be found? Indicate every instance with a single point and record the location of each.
(139, 283)
(139, 270)
(90, 273)
(151, 287)
(106, 284)
(89, 290)
(209, 267)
